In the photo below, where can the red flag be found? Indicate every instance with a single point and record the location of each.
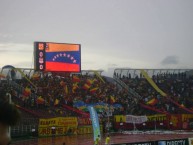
(89, 82)
(75, 79)
(94, 90)
(75, 86)
(27, 91)
(112, 99)
(86, 87)
(152, 102)
(40, 100)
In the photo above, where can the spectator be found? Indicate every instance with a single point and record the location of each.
(9, 116)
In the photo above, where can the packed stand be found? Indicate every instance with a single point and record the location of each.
(177, 86)
(53, 91)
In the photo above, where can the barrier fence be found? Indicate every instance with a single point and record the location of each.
(160, 121)
(65, 126)
(186, 141)
(73, 125)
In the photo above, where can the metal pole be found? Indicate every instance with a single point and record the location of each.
(108, 116)
(10, 101)
(155, 125)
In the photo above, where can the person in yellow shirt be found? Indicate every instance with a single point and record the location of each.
(107, 140)
(97, 141)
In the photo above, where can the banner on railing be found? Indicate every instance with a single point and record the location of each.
(58, 126)
(186, 117)
(59, 121)
(123, 118)
(135, 119)
(159, 117)
(55, 131)
(84, 121)
(120, 118)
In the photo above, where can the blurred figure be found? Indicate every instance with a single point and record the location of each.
(107, 140)
(98, 141)
(9, 116)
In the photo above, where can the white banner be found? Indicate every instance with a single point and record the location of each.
(190, 141)
(135, 119)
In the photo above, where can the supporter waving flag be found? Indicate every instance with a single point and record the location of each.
(75, 86)
(75, 79)
(112, 99)
(86, 87)
(27, 91)
(89, 82)
(40, 100)
(94, 90)
(66, 89)
(56, 102)
(152, 102)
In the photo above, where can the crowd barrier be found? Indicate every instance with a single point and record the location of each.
(65, 126)
(187, 141)
(74, 125)
(162, 121)
(58, 126)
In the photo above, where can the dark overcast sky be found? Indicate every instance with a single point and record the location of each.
(113, 33)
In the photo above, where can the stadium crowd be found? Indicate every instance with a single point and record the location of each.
(52, 91)
(177, 86)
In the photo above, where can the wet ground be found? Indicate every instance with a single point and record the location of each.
(88, 139)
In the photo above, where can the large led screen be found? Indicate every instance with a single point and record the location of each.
(57, 57)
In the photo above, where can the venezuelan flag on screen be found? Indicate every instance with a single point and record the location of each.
(63, 57)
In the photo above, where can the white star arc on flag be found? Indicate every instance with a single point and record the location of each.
(64, 55)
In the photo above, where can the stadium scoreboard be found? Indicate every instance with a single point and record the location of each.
(57, 57)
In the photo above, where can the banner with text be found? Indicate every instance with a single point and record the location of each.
(84, 121)
(58, 126)
(59, 121)
(135, 119)
(55, 131)
(127, 118)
